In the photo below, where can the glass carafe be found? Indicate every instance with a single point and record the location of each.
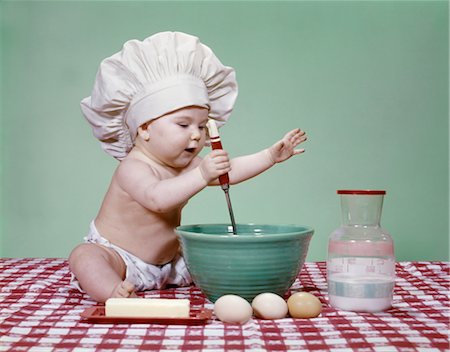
(361, 261)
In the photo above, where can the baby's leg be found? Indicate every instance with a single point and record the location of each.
(100, 272)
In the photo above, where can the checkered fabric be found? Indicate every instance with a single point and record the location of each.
(40, 312)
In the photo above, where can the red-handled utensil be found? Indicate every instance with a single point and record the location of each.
(223, 179)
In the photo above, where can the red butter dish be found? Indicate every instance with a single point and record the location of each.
(96, 314)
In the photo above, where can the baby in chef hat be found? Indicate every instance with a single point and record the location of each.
(149, 108)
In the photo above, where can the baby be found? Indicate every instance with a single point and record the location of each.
(149, 108)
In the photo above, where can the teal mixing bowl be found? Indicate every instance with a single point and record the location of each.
(260, 258)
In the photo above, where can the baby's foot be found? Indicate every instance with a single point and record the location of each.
(124, 290)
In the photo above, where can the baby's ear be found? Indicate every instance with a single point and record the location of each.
(143, 132)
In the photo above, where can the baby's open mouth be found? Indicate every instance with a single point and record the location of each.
(190, 150)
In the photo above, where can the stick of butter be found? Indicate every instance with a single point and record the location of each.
(147, 307)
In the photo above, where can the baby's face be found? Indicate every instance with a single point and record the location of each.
(177, 137)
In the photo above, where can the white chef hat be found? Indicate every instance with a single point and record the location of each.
(147, 79)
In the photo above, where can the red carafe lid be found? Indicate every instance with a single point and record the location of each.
(361, 191)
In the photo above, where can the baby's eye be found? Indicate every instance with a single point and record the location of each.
(184, 125)
(202, 127)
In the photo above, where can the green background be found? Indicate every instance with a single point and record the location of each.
(368, 81)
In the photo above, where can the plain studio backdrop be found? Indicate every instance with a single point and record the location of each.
(367, 81)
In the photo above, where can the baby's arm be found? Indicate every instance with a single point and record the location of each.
(248, 166)
(162, 195)
(144, 185)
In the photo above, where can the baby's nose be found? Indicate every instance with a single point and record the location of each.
(196, 135)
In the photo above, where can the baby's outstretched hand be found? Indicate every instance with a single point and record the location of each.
(215, 164)
(285, 148)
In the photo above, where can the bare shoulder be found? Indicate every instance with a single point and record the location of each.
(134, 170)
(133, 164)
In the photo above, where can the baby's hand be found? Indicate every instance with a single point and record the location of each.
(285, 148)
(214, 165)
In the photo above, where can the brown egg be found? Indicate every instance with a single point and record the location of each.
(304, 305)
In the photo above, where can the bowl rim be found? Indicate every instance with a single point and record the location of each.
(307, 231)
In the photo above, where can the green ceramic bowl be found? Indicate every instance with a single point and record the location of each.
(260, 258)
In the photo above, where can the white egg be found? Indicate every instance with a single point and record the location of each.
(233, 309)
(269, 306)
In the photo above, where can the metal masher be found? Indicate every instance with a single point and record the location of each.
(223, 179)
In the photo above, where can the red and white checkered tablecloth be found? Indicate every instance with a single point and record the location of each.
(40, 312)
